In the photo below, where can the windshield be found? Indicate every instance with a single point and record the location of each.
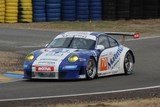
(72, 42)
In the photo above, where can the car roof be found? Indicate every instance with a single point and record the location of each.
(80, 34)
(84, 33)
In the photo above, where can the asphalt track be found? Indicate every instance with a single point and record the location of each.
(147, 70)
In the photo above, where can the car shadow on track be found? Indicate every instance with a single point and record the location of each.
(73, 80)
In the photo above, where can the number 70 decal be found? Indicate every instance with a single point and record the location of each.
(103, 64)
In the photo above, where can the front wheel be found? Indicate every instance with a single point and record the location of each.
(91, 69)
(128, 63)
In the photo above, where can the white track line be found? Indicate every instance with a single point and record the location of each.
(84, 94)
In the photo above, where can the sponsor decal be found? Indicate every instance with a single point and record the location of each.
(103, 64)
(44, 69)
(82, 59)
(46, 63)
(105, 73)
(82, 76)
(57, 52)
(114, 60)
(47, 59)
(75, 35)
(70, 67)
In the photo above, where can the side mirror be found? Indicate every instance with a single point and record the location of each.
(100, 47)
(46, 45)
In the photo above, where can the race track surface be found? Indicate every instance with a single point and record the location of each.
(147, 70)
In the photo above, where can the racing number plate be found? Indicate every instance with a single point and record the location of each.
(44, 69)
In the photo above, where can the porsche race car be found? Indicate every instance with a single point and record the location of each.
(80, 55)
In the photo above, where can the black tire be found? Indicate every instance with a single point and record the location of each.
(128, 63)
(91, 69)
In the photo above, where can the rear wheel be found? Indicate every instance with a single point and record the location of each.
(128, 63)
(91, 69)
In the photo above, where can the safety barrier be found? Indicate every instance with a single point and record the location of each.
(2, 11)
(12, 11)
(151, 8)
(123, 9)
(25, 11)
(39, 13)
(82, 10)
(95, 9)
(68, 10)
(53, 10)
(130, 9)
(109, 8)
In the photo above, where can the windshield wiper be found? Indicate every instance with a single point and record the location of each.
(71, 42)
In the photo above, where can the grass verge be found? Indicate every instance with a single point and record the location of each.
(10, 61)
(152, 102)
(145, 27)
(4, 79)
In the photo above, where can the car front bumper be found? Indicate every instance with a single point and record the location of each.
(67, 75)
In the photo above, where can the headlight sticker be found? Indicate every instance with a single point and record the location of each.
(30, 57)
(73, 58)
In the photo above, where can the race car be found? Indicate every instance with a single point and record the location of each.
(80, 55)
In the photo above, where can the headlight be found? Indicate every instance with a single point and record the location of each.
(30, 57)
(73, 58)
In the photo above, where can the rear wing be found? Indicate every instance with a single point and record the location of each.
(124, 35)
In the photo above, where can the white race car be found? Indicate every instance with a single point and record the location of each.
(77, 55)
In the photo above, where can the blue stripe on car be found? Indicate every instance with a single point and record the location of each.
(27, 66)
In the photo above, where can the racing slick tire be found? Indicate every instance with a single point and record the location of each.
(128, 63)
(91, 69)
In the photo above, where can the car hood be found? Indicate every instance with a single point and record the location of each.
(52, 57)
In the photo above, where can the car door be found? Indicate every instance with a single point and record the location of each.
(109, 59)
